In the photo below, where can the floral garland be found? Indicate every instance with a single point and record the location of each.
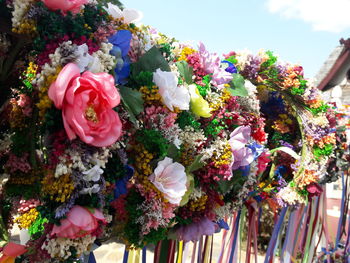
(114, 129)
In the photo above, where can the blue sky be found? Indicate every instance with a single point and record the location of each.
(291, 28)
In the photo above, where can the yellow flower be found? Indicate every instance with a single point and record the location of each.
(199, 106)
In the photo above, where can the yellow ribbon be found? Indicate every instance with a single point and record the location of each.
(134, 256)
(180, 252)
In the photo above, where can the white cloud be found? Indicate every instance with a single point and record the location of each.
(323, 15)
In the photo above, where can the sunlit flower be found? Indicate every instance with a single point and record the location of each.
(80, 222)
(87, 103)
(65, 5)
(170, 179)
(199, 106)
(129, 15)
(172, 95)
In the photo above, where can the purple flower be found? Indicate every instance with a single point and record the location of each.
(242, 155)
(286, 144)
(211, 64)
(194, 231)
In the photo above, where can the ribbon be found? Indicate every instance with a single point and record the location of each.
(144, 256)
(126, 255)
(340, 223)
(171, 251)
(134, 256)
(92, 258)
(194, 252)
(234, 243)
(276, 230)
(11, 251)
(302, 221)
(207, 249)
(179, 252)
(223, 243)
(157, 252)
(200, 247)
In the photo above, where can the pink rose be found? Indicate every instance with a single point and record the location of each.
(65, 5)
(87, 103)
(80, 222)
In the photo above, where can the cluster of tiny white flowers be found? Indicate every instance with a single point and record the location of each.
(247, 186)
(191, 137)
(48, 69)
(71, 159)
(150, 215)
(217, 146)
(20, 8)
(290, 196)
(321, 120)
(196, 194)
(242, 58)
(60, 247)
(101, 157)
(107, 61)
(174, 69)
(176, 49)
(250, 102)
(223, 211)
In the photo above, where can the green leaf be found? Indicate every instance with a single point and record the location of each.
(226, 186)
(185, 71)
(190, 187)
(237, 86)
(133, 102)
(196, 164)
(150, 61)
(173, 152)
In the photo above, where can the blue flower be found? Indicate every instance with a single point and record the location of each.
(121, 45)
(120, 185)
(256, 148)
(231, 67)
(221, 225)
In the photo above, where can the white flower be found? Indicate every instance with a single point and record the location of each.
(85, 61)
(129, 15)
(170, 178)
(93, 174)
(172, 95)
(91, 190)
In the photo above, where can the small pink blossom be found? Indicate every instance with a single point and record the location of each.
(87, 103)
(80, 222)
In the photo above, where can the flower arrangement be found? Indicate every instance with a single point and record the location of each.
(300, 127)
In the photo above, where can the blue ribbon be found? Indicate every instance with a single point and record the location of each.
(126, 256)
(92, 258)
(144, 250)
(233, 249)
(275, 232)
